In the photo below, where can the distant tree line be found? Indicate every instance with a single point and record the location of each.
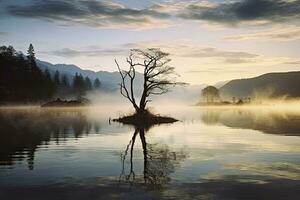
(21, 80)
(78, 86)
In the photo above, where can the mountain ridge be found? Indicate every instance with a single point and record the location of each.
(274, 84)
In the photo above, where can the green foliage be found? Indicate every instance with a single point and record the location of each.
(20, 79)
(30, 51)
(79, 86)
(97, 83)
(83, 85)
(88, 83)
(56, 78)
(78, 82)
(65, 81)
(31, 57)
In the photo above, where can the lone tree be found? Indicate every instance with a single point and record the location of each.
(158, 76)
(210, 93)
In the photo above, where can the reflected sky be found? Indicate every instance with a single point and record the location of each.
(54, 148)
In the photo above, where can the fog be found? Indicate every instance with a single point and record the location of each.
(177, 96)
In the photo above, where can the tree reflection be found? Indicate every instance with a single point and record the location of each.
(23, 132)
(279, 122)
(158, 161)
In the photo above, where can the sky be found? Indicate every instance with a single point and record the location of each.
(208, 40)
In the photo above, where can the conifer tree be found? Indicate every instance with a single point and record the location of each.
(31, 56)
(88, 83)
(65, 81)
(97, 83)
(20, 79)
(56, 78)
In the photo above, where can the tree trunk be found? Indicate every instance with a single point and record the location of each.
(144, 145)
(137, 109)
(142, 104)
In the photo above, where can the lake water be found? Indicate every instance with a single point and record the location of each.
(211, 153)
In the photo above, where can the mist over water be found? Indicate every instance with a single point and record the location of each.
(180, 95)
(248, 146)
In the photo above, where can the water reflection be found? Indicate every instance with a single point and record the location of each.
(23, 132)
(268, 121)
(195, 158)
(159, 161)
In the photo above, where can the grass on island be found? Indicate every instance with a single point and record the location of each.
(147, 119)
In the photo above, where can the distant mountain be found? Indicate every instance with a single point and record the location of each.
(109, 80)
(267, 85)
(220, 84)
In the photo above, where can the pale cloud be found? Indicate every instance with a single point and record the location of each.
(216, 70)
(189, 49)
(280, 33)
(4, 34)
(93, 52)
(296, 62)
(182, 49)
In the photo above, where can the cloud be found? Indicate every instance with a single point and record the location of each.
(70, 53)
(91, 13)
(230, 56)
(237, 12)
(182, 49)
(187, 48)
(216, 70)
(296, 62)
(3, 33)
(288, 33)
(107, 14)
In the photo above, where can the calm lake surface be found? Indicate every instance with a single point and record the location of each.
(211, 153)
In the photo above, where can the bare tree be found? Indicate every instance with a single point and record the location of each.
(158, 76)
(159, 161)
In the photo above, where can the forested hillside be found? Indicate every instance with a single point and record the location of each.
(267, 85)
(21, 80)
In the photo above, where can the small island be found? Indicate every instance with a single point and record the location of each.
(64, 103)
(210, 96)
(146, 120)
